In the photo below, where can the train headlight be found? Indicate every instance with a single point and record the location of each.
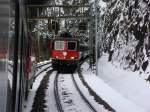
(72, 57)
(65, 53)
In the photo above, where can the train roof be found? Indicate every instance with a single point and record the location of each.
(59, 38)
(66, 35)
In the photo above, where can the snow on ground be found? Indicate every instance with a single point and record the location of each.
(38, 70)
(43, 62)
(50, 97)
(124, 91)
(86, 93)
(115, 99)
(102, 4)
(129, 84)
(70, 98)
(32, 92)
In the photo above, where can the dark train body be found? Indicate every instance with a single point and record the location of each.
(16, 56)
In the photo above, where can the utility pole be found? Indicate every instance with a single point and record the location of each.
(96, 36)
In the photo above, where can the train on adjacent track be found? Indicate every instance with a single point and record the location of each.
(66, 51)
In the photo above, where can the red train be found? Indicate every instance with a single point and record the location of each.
(65, 51)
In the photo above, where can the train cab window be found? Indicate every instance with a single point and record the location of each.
(72, 45)
(59, 45)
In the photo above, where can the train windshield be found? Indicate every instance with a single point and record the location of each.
(59, 45)
(72, 45)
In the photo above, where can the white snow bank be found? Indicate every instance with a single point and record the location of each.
(112, 97)
(102, 4)
(87, 95)
(43, 62)
(130, 84)
(50, 97)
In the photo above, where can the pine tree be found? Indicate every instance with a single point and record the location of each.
(127, 23)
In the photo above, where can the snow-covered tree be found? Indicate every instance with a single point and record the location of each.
(127, 29)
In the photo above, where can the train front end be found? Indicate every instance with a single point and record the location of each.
(65, 52)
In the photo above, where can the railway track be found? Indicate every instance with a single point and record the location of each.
(39, 66)
(56, 93)
(97, 98)
(42, 70)
(76, 91)
(65, 94)
(39, 103)
(82, 95)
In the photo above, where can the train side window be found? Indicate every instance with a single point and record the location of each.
(59, 45)
(72, 45)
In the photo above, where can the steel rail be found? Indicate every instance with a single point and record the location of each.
(34, 77)
(93, 93)
(38, 66)
(56, 93)
(82, 95)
